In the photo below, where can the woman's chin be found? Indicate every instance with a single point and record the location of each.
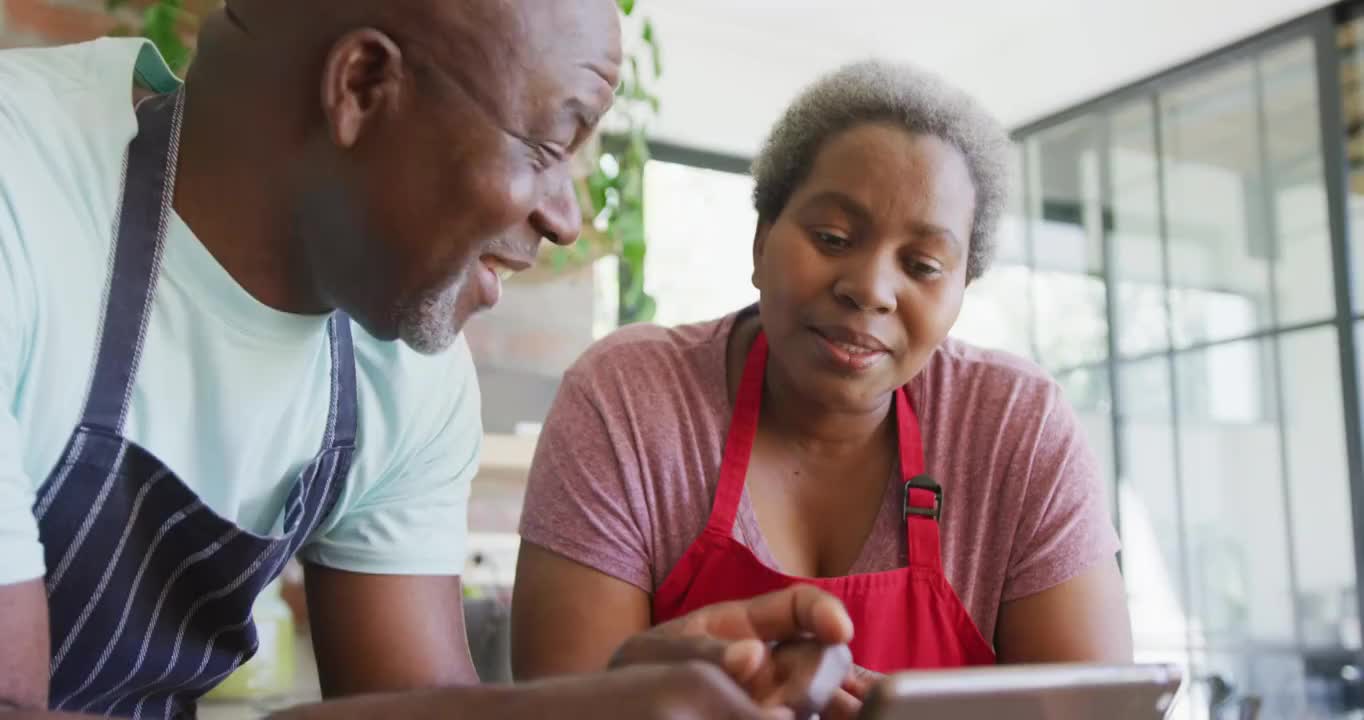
(843, 396)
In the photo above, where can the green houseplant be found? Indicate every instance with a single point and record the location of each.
(610, 186)
(167, 23)
(613, 189)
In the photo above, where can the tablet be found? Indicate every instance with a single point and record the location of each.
(1028, 692)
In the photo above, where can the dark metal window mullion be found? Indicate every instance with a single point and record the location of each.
(1334, 148)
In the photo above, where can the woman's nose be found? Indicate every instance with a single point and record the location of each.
(869, 283)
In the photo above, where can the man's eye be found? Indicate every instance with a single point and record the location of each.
(543, 155)
(552, 153)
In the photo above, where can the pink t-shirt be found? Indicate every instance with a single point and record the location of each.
(627, 465)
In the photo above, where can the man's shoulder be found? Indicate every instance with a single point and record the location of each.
(64, 128)
(47, 72)
(47, 89)
(61, 148)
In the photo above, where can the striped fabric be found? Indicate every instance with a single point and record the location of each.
(149, 591)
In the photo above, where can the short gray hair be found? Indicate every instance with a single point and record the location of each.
(921, 103)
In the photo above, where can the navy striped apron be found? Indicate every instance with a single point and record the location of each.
(150, 591)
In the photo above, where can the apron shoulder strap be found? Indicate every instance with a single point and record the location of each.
(140, 229)
(922, 495)
(343, 417)
(743, 428)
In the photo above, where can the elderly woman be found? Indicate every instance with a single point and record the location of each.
(833, 434)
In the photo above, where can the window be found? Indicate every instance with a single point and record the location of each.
(1193, 212)
(700, 227)
(1069, 295)
(997, 312)
(1134, 224)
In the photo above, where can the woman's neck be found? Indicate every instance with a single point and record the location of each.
(794, 418)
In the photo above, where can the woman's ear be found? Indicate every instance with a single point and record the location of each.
(759, 245)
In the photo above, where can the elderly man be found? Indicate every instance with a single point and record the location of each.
(204, 287)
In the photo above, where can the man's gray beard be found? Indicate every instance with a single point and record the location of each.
(428, 324)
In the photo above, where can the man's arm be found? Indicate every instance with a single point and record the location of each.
(24, 652)
(355, 619)
(24, 631)
(656, 692)
(686, 668)
(379, 633)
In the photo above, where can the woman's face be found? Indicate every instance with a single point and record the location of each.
(862, 274)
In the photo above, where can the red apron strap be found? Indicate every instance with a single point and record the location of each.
(923, 496)
(743, 428)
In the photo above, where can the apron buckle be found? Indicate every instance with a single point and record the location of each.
(924, 482)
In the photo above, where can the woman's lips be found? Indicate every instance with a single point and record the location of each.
(850, 351)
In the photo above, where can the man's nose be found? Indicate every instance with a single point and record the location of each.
(558, 217)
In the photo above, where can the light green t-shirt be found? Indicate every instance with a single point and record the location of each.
(232, 395)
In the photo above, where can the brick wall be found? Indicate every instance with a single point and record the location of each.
(45, 22)
(523, 346)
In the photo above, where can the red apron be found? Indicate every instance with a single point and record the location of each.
(906, 618)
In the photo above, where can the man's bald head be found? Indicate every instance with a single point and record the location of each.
(439, 151)
(488, 46)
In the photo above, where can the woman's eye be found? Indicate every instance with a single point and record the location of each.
(832, 241)
(923, 269)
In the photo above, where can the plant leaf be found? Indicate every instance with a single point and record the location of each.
(645, 309)
(160, 25)
(597, 184)
(651, 39)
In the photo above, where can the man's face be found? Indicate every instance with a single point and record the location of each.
(451, 189)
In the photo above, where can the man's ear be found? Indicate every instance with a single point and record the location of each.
(759, 245)
(361, 80)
